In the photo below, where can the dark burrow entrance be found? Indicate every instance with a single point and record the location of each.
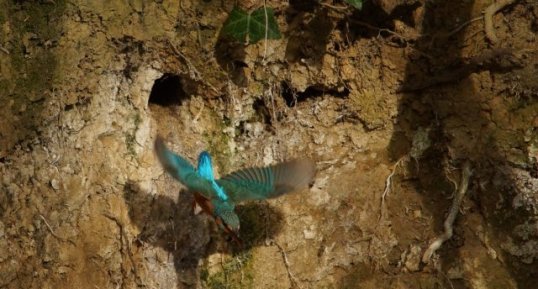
(292, 97)
(168, 91)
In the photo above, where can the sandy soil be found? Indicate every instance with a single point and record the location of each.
(390, 101)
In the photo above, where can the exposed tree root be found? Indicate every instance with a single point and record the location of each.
(125, 246)
(193, 72)
(388, 185)
(292, 277)
(456, 202)
(488, 18)
(463, 25)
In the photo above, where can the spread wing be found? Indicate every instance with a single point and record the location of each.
(182, 170)
(268, 182)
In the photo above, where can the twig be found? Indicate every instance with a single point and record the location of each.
(388, 184)
(193, 72)
(333, 6)
(369, 26)
(453, 182)
(3, 49)
(199, 113)
(273, 110)
(199, 35)
(240, 267)
(488, 18)
(50, 228)
(454, 209)
(292, 277)
(53, 233)
(463, 25)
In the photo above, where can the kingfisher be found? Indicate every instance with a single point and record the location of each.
(218, 197)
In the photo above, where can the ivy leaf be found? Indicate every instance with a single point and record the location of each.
(263, 22)
(251, 28)
(355, 3)
(237, 24)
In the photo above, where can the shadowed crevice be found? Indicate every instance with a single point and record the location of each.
(172, 225)
(292, 96)
(168, 91)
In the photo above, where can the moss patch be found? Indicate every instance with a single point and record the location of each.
(236, 273)
(34, 29)
(130, 138)
(218, 142)
(370, 106)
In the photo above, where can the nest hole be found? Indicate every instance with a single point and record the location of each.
(168, 91)
(292, 96)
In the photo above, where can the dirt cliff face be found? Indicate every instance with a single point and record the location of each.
(389, 101)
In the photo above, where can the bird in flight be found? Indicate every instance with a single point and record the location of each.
(218, 197)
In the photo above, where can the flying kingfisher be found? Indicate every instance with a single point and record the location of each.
(218, 197)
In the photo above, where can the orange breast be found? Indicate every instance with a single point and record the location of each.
(204, 203)
(208, 208)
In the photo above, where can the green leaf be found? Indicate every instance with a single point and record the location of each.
(355, 3)
(263, 25)
(237, 24)
(251, 28)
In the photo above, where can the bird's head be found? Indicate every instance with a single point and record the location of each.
(225, 212)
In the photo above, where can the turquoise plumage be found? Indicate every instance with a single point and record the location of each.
(205, 170)
(218, 197)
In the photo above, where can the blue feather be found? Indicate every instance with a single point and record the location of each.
(175, 165)
(205, 170)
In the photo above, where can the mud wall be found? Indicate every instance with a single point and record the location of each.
(85, 88)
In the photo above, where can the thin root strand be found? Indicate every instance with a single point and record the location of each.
(488, 18)
(292, 277)
(388, 185)
(454, 209)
